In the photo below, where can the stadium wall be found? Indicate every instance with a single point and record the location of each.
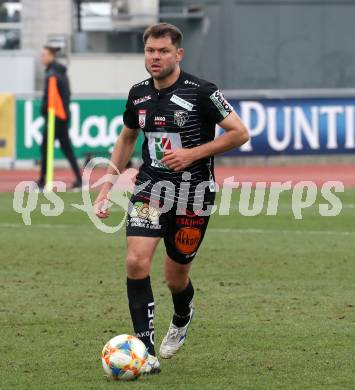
(252, 44)
(21, 78)
(109, 70)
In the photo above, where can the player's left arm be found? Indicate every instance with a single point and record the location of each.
(235, 134)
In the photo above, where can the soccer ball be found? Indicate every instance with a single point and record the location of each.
(123, 357)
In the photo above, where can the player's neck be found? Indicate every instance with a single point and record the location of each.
(169, 80)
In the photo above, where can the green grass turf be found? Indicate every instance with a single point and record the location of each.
(274, 299)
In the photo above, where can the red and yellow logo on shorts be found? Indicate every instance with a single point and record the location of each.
(187, 239)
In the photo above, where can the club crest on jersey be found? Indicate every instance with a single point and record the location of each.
(142, 114)
(181, 117)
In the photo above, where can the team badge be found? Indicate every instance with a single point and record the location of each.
(180, 118)
(141, 117)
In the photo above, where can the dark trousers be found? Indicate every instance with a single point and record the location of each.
(62, 134)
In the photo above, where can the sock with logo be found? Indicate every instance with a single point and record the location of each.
(182, 301)
(141, 306)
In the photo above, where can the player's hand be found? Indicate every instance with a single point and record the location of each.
(102, 204)
(178, 159)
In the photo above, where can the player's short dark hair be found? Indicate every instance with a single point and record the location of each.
(162, 30)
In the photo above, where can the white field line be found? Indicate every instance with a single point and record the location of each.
(212, 230)
(278, 231)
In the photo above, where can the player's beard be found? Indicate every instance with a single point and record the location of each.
(165, 72)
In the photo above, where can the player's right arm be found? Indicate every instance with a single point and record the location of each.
(123, 149)
(120, 156)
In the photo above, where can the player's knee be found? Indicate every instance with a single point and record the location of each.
(177, 282)
(137, 266)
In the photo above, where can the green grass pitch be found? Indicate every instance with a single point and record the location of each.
(275, 305)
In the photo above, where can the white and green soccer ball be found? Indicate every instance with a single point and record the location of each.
(123, 357)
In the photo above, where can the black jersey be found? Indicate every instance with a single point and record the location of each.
(183, 115)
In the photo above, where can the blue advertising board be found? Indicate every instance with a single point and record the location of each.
(297, 126)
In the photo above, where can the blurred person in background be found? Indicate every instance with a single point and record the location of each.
(59, 71)
(16, 17)
(4, 15)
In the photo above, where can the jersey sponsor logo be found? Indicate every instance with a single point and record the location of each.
(221, 103)
(159, 143)
(187, 239)
(142, 114)
(182, 102)
(161, 146)
(188, 82)
(142, 99)
(181, 117)
(159, 121)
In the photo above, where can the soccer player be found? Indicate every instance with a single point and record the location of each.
(178, 113)
(59, 71)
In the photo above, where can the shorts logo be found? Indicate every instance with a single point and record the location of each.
(190, 221)
(141, 117)
(145, 212)
(159, 143)
(187, 240)
(221, 103)
(180, 118)
(142, 99)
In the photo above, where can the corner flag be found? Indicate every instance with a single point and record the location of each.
(55, 109)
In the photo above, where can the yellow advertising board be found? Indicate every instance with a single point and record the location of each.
(7, 125)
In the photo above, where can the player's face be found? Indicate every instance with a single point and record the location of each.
(161, 57)
(46, 57)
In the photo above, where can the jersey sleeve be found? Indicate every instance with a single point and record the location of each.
(130, 117)
(213, 105)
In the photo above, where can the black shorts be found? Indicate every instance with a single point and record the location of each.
(183, 234)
